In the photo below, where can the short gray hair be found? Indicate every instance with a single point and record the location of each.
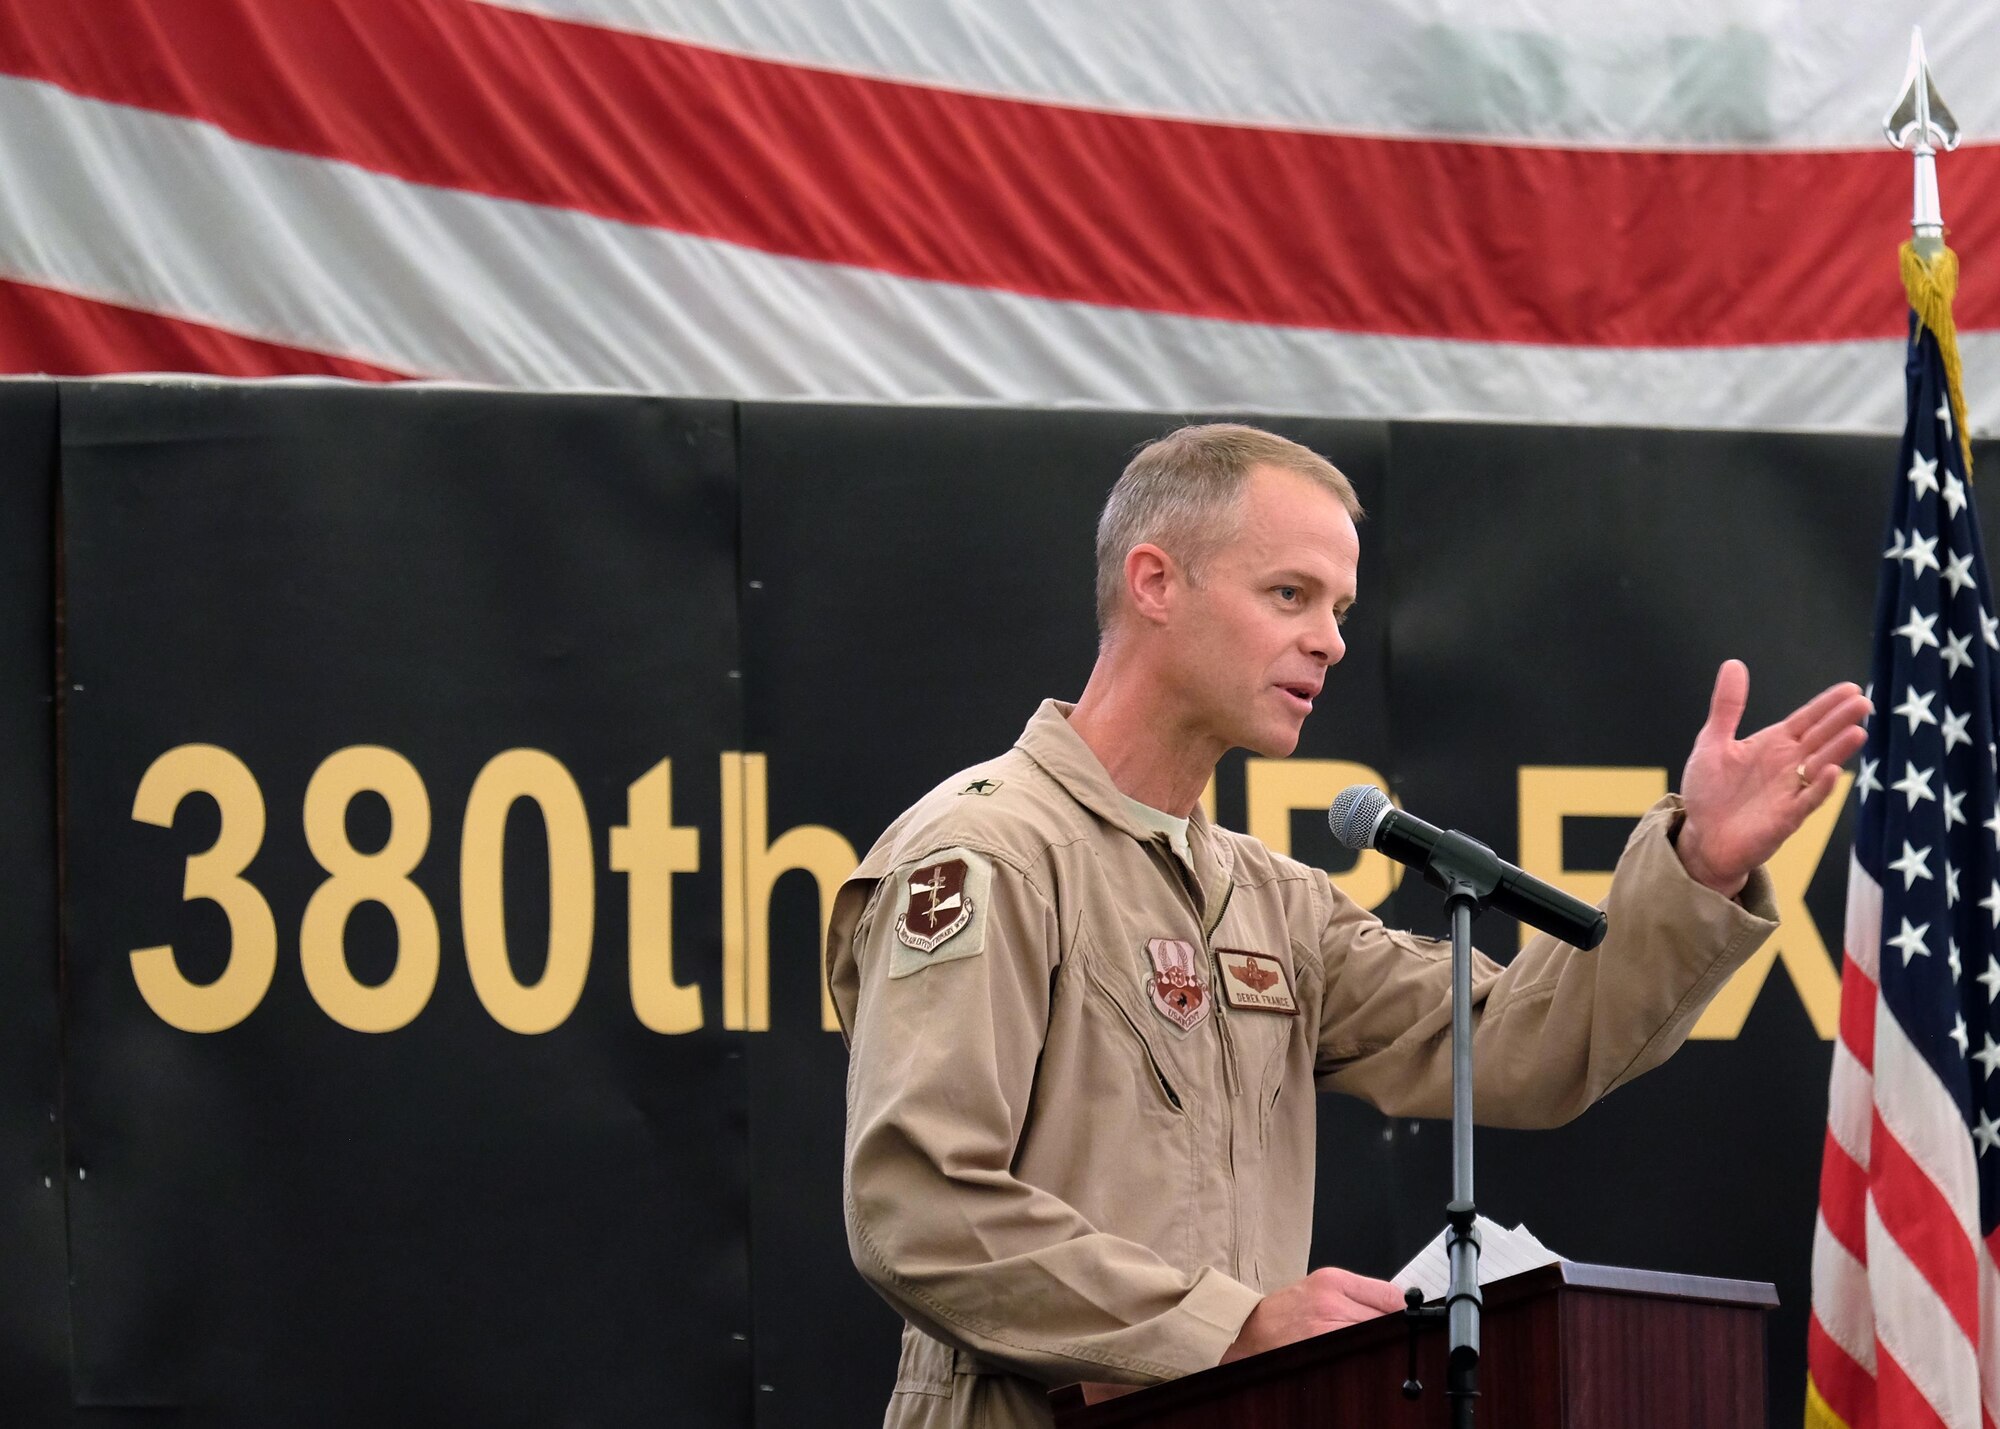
(1181, 493)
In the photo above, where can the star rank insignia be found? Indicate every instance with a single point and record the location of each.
(938, 907)
(982, 787)
(1255, 982)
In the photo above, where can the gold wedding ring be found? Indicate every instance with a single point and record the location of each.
(1805, 779)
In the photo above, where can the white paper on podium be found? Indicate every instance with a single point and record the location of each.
(1502, 1253)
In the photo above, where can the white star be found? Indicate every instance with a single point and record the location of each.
(1990, 979)
(1914, 864)
(1986, 1132)
(1954, 492)
(1911, 941)
(1916, 784)
(1895, 551)
(1957, 1033)
(1957, 653)
(1954, 729)
(1921, 552)
(1988, 1057)
(1990, 629)
(1923, 474)
(1918, 630)
(1951, 901)
(1991, 903)
(1916, 708)
(1951, 958)
(1868, 784)
(1944, 415)
(1994, 824)
(1958, 571)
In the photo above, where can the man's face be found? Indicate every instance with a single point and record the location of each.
(1253, 641)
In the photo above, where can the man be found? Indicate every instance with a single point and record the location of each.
(1085, 1025)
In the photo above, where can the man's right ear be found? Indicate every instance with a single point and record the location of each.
(1152, 580)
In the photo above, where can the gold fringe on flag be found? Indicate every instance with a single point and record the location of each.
(1820, 1415)
(1931, 285)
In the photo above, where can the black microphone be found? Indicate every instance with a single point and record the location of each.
(1363, 818)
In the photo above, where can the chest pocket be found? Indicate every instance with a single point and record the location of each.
(1179, 1060)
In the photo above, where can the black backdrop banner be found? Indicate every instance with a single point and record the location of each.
(377, 1196)
(34, 1311)
(452, 783)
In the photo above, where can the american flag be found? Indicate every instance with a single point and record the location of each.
(1905, 1323)
(1328, 207)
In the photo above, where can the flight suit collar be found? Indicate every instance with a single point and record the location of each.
(1051, 743)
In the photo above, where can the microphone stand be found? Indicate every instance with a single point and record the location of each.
(1472, 876)
(1468, 871)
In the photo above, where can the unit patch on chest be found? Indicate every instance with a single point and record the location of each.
(1179, 984)
(1255, 982)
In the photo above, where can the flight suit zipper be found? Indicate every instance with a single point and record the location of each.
(1184, 879)
(1232, 1074)
(1159, 1072)
(1232, 1077)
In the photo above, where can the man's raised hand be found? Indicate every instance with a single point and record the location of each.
(1745, 797)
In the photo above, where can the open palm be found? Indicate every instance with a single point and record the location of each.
(1745, 797)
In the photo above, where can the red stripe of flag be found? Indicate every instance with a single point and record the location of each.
(1897, 1400)
(1843, 1199)
(42, 330)
(1847, 1387)
(1395, 236)
(1921, 1220)
(1857, 1013)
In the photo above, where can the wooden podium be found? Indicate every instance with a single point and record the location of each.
(1566, 1346)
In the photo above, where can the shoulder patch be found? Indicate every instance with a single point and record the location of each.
(982, 787)
(941, 907)
(937, 909)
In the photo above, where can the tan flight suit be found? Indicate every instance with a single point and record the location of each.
(1069, 1160)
